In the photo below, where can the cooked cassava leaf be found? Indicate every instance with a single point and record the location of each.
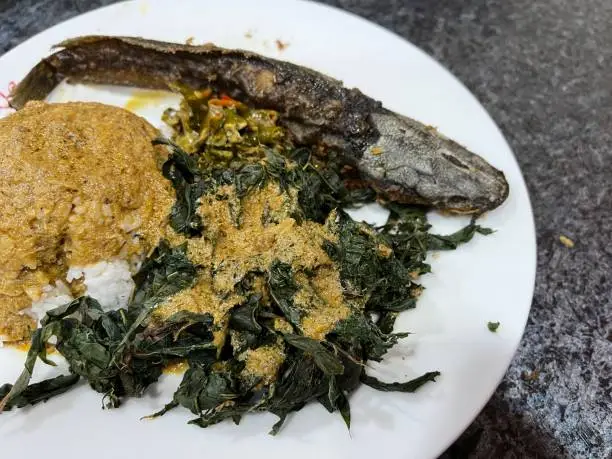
(452, 241)
(202, 390)
(371, 270)
(37, 350)
(181, 169)
(386, 321)
(358, 332)
(248, 178)
(244, 317)
(409, 386)
(337, 400)
(166, 271)
(282, 288)
(38, 392)
(323, 358)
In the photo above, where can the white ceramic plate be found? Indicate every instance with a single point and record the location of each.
(490, 279)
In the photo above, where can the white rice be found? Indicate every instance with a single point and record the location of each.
(52, 297)
(109, 282)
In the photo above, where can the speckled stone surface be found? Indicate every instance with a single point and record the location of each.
(543, 69)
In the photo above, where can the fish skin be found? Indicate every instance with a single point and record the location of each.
(401, 158)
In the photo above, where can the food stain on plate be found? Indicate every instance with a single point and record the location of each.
(281, 45)
(146, 98)
(176, 368)
(143, 8)
(24, 346)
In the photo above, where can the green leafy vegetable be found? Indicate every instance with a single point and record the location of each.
(409, 386)
(324, 359)
(493, 326)
(38, 392)
(203, 390)
(182, 171)
(220, 129)
(244, 317)
(366, 340)
(452, 241)
(282, 289)
(386, 321)
(372, 270)
(165, 272)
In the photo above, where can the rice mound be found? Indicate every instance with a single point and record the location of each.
(82, 200)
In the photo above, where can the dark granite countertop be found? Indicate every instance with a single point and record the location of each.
(543, 70)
